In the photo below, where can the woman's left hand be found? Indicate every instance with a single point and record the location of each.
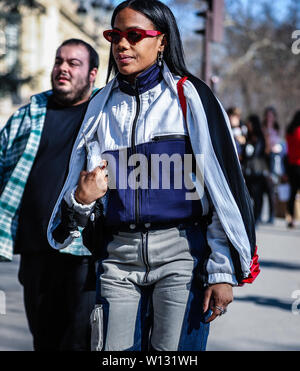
(217, 297)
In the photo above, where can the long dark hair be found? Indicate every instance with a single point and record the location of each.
(164, 21)
(275, 124)
(294, 123)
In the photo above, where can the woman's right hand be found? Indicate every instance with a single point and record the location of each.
(91, 185)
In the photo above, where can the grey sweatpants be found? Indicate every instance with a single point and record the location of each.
(147, 292)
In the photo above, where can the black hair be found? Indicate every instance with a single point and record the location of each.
(164, 21)
(256, 125)
(255, 135)
(93, 55)
(294, 123)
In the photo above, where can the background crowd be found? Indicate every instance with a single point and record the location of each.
(270, 160)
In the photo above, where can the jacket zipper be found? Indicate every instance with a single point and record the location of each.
(169, 137)
(145, 255)
(133, 146)
(137, 217)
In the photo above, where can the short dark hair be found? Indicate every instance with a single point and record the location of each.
(93, 55)
(164, 21)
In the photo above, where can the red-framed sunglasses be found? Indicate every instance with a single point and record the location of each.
(134, 35)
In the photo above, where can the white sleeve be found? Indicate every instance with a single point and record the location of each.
(219, 267)
(81, 209)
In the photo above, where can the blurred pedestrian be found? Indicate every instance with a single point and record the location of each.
(238, 129)
(293, 163)
(166, 257)
(35, 147)
(275, 153)
(254, 163)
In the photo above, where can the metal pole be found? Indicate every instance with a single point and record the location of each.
(206, 64)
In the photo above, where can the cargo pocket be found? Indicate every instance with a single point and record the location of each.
(97, 328)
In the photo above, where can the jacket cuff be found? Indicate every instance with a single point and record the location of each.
(79, 208)
(222, 278)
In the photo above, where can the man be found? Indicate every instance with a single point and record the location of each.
(35, 147)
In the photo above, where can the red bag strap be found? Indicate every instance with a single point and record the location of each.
(181, 96)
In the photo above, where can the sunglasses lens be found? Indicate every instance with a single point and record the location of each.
(134, 36)
(115, 37)
(112, 36)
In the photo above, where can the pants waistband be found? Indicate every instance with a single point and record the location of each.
(144, 227)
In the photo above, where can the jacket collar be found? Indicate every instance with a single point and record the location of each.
(144, 82)
(96, 106)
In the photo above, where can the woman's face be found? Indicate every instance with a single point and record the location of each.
(132, 60)
(270, 117)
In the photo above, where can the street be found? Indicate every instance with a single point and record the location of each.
(263, 317)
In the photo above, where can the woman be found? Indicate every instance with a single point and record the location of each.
(234, 115)
(274, 151)
(254, 163)
(293, 163)
(171, 253)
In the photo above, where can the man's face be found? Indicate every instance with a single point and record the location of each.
(70, 78)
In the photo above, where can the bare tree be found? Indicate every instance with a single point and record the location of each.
(259, 63)
(255, 63)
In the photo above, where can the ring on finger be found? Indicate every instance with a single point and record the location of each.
(221, 309)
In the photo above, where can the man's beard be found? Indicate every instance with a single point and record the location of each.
(70, 98)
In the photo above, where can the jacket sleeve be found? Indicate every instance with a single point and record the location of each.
(73, 216)
(13, 139)
(83, 211)
(211, 136)
(4, 134)
(219, 266)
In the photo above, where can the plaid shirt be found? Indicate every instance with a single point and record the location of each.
(19, 142)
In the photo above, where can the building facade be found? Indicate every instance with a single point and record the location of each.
(28, 42)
